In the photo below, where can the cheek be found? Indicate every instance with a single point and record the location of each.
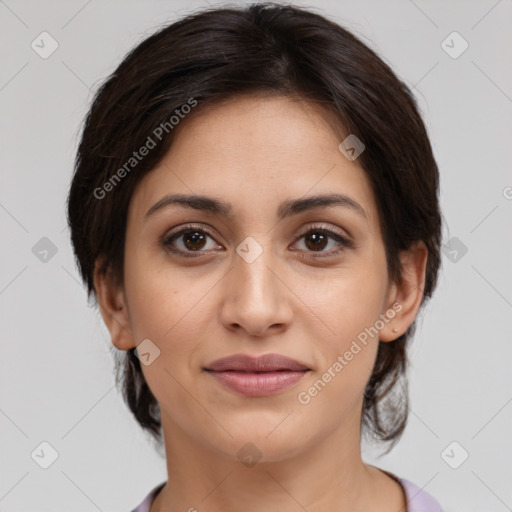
(350, 302)
(171, 307)
(347, 354)
(350, 306)
(158, 295)
(166, 310)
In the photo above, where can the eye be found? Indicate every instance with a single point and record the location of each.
(316, 238)
(190, 240)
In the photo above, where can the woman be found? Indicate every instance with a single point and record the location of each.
(255, 209)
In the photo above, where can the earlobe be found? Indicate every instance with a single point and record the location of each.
(113, 309)
(404, 299)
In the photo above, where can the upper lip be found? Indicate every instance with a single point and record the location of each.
(263, 363)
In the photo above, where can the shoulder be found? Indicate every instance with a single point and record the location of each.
(145, 505)
(419, 500)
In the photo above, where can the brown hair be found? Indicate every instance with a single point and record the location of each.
(219, 53)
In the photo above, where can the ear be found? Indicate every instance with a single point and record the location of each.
(113, 307)
(405, 298)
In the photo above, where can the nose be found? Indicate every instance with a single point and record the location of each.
(256, 297)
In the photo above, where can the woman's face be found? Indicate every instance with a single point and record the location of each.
(254, 282)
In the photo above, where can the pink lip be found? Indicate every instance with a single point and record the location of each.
(257, 376)
(258, 384)
(263, 363)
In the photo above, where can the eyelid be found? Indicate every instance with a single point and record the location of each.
(305, 230)
(323, 227)
(189, 226)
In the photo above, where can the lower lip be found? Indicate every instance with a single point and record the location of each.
(258, 384)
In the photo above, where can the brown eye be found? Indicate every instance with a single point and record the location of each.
(193, 240)
(316, 239)
(188, 241)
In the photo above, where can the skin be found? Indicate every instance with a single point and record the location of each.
(255, 152)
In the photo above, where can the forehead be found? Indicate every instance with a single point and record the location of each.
(253, 152)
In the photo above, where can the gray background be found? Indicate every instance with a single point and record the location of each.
(56, 370)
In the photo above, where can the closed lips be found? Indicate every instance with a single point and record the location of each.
(257, 376)
(259, 364)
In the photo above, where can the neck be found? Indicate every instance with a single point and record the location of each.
(328, 475)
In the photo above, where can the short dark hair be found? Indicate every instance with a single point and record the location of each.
(266, 48)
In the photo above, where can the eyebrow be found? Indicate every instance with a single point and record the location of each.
(286, 208)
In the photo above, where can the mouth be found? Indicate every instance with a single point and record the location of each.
(256, 364)
(257, 376)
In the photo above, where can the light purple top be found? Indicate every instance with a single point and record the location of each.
(417, 499)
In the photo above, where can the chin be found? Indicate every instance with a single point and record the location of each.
(252, 444)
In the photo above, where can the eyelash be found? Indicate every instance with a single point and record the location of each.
(191, 228)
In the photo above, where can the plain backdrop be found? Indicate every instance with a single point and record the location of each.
(56, 370)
